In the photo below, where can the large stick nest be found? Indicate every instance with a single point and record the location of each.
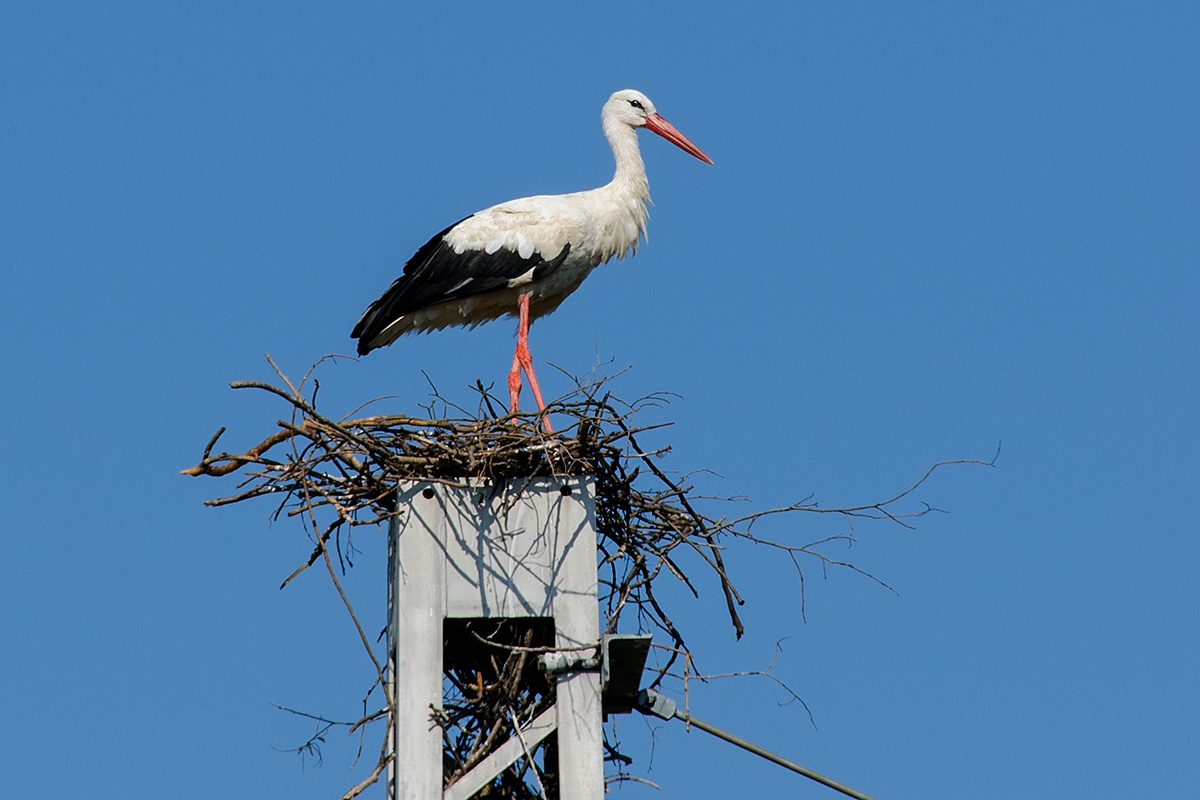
(336, 474)
(351, 467)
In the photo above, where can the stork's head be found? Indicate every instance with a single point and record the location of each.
(631, 107)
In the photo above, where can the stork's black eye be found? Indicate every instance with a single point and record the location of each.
(637, 104)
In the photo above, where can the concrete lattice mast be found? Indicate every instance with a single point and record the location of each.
(523, 550)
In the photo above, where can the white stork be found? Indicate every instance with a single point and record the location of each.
(525, 256)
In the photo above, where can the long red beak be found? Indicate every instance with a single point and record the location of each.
(657, 124)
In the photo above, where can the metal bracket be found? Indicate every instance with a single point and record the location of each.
(652, 702)
(561, 662)
(620, 659)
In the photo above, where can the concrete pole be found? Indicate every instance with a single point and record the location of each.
(528, 550)
(420, 607)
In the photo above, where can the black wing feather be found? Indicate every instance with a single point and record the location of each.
(436, 274)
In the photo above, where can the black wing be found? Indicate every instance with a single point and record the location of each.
(436, 274)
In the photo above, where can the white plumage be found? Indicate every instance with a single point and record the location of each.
(525, 256)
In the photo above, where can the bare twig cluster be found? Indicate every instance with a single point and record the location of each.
(337, 474)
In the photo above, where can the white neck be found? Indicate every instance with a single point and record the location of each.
(630, 177)
(626, 196)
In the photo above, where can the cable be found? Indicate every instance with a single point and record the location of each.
(652, 702)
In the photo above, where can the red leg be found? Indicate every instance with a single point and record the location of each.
(523, 359)
(514, 385)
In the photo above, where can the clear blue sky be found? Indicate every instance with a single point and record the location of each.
(927, 231)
